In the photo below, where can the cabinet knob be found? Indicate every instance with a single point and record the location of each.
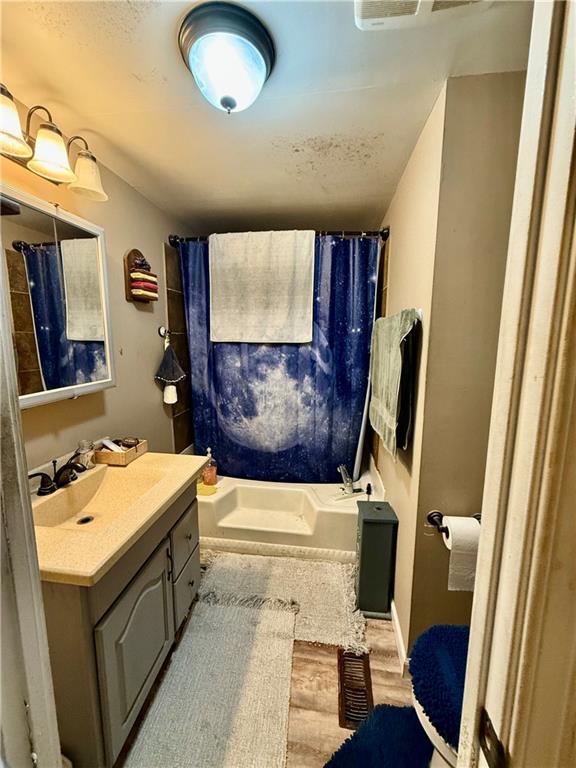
(189, 536)
(191, 583)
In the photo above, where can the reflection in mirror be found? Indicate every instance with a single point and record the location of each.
(56, 296)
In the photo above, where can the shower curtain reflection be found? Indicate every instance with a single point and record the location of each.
(286, 412)
(63, 362)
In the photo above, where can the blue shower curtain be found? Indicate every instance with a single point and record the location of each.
(63, 362)
(286, 412)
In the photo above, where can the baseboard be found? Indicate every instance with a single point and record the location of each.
(189, 451)
(400, 645)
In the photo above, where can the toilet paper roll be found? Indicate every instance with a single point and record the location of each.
(462, 540)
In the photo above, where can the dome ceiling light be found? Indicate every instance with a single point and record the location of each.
(229, 52)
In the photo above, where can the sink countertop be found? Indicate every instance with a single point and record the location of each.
(81, 555)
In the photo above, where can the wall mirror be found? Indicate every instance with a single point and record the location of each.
(56, 266)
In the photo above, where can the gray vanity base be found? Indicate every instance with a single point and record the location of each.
(109, 641)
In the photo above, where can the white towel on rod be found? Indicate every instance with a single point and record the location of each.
(81, 268)
(262, 287)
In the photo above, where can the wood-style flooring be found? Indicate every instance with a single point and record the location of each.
(313, 730)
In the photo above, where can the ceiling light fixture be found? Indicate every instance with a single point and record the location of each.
(88, 181)
(229, 52)
(47, 155)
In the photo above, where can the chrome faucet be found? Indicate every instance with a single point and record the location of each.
(346, 479)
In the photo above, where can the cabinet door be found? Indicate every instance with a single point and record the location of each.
(132, 641)
(186, 587)
(184, 537)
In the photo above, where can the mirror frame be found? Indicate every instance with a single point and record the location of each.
(76, 390)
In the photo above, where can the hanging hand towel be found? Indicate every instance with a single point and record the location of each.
(81, 269)
(262, 286)
(170, 373)
(388, 338)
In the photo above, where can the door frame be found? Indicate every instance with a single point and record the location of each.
(522, 560)
(38, 710)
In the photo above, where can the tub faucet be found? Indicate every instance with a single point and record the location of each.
(346, 479)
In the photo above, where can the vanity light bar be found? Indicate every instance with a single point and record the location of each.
(47, 155)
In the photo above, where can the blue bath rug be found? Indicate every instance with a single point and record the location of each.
(391, 737)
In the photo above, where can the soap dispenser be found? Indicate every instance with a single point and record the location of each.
(209, 473)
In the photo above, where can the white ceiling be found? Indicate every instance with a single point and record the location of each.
(324, 145)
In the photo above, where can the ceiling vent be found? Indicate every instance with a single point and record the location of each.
(372, 15)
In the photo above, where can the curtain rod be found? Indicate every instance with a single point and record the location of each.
(19, 245)
(175, 240)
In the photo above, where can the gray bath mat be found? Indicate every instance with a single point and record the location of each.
(224, 700)
(322, 591)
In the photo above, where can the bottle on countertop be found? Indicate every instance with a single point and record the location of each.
(85, 454)
(209, 473)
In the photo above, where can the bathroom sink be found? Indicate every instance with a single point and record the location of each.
(83, 529)
(96, 498)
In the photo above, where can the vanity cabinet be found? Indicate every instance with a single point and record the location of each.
(108, 641)
(132, 642)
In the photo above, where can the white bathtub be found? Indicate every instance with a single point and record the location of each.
(297, 519)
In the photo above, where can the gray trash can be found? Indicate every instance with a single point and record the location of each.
(376, 558)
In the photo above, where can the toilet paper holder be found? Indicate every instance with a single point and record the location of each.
(436, 518)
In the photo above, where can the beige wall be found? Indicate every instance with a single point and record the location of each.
(448, 244)
(412, 218)
(134, 406)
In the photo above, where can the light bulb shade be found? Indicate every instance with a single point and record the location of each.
(12, 141)
(50, 157)
(228, 69)
(88, 181)
(229, 52)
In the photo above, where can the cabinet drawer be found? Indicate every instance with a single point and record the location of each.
(132, 641)
(184, 537)
(186, 587)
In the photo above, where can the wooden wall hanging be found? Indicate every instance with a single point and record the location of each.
(140, 282)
